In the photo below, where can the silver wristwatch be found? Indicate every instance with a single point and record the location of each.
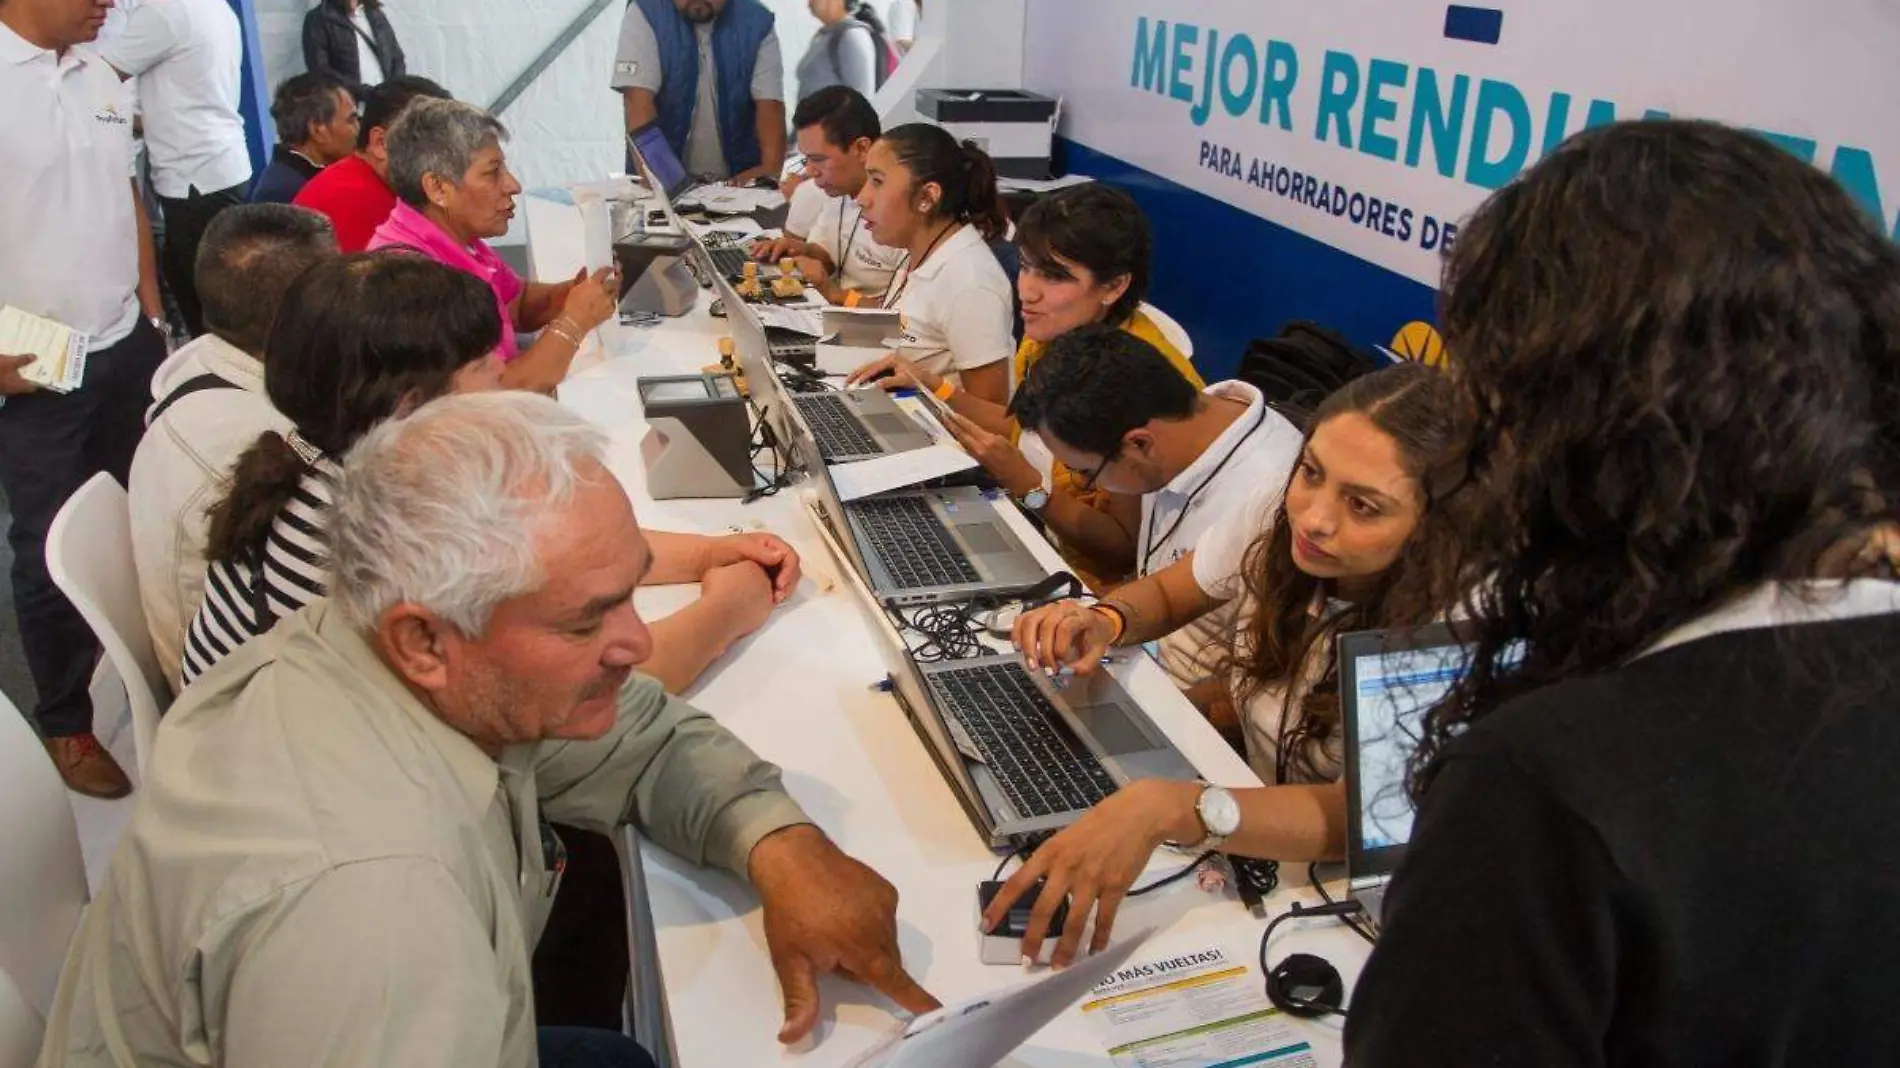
(1036, 499)
(1219, 812)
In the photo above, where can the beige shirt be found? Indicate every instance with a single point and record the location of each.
(319, 871)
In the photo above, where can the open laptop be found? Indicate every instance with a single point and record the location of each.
(920, 546)
(1022, 752)
(664, 171)
(1388, 680)
(845, 424)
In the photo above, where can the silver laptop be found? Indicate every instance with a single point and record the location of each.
(1388, 680)
(1025, 753)
(923, 546)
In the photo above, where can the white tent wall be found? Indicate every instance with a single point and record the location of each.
(567, 125)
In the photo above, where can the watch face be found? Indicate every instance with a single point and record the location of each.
(1037, 500)
(1220, 812)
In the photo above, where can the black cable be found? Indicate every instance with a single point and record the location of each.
(1353, 921)
(1175, 877)
(947, 632)
(1304, 969)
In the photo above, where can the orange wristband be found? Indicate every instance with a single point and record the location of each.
(945, 389)
(1115, 616)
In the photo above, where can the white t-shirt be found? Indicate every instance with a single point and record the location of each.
(902, 19)
(187, 56)
(369, 69)
(71, 249)
(866, 266)
(808, 201)
(1219, 488)
(957, 306)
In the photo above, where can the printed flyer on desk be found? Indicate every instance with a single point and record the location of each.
(1200, 1009)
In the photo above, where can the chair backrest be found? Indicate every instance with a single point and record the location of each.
(1176, 334)
(89, 554)
(21, 1028)
(42, 871)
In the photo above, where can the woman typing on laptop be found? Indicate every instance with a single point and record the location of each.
(1311, 566)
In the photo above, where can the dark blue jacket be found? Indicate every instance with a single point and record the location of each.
(280, 182)
(737, 34)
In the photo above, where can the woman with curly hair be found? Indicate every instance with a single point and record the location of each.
(1667, 835)
(1304, 567)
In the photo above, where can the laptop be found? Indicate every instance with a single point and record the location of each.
(664, 171)
(1022, 752)
(1388, 679)
(920, 546)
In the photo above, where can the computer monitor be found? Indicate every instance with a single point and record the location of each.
(651, 148)
(1388, 679)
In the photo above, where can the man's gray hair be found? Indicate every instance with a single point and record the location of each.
(438, 137)
(440, 508)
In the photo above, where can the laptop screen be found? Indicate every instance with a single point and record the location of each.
(650, 142)
(1388, 680)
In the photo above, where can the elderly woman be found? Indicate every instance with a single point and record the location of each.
(454, 189)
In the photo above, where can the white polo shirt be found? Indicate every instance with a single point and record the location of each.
(1219, 491)
(187, 56)
(68, 235)
(957, 306)
(865, 265)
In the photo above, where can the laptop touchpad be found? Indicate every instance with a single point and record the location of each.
(983, 538)
(1113, 728)
(886, 423)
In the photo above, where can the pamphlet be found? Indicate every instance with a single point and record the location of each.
(1199, 1009)
(58, 351)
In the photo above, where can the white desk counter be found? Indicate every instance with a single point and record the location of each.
(801, 693)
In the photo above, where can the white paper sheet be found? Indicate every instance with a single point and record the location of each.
(803, 320)
(985, 1030)
(844, 359)
(1041, 185)
(727, 200)
(898, 470)
(58, 351)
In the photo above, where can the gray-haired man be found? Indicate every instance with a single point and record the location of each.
(342, 854)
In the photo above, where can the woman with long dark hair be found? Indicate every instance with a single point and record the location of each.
(1667, 834)
(1309, 565)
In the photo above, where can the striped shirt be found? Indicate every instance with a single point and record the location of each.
(243, 599)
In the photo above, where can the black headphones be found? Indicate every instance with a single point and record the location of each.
(1303, 985)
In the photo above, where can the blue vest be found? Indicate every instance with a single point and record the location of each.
(737, 34)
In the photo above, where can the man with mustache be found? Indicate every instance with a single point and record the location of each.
(711, 74)
(342, 854)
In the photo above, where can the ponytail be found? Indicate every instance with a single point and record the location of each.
(983, 201)
(964, 172)
(263, 482)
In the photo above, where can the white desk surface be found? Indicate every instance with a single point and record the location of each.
(799, 692)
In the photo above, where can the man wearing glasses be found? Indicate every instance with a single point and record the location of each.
(1110, 405)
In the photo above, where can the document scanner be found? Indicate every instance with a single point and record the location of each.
(699, 437)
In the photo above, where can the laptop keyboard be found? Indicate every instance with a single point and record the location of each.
(836, 427)
(728, 262)
(908, 536)
(1042, 769)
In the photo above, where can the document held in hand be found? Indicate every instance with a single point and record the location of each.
(58, 351)
(984, 1030)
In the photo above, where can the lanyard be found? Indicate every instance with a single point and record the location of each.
(844, 257)
(1152, 543)
(890, 301)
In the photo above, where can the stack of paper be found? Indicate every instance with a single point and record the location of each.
(59, 352)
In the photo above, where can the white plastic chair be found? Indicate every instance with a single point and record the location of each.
(42, 881)
(89, 553)
(21, 1029)
(1176, 334)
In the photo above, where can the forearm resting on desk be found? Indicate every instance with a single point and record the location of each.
(541, 367)
(687, 642)
(1297, 823)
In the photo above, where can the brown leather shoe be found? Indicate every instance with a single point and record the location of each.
(87, 767)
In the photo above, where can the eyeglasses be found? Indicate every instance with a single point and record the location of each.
(1088, 481)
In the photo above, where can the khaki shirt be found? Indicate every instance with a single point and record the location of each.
(319, 871)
